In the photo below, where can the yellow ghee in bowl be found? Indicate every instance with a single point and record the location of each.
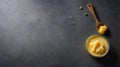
(97, 45)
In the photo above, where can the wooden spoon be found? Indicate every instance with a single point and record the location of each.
(98, 22)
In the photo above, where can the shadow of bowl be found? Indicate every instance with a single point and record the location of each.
(110, 60)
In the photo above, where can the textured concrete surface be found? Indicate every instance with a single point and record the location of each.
(38, 33)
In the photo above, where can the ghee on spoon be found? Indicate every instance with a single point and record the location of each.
(101, 28)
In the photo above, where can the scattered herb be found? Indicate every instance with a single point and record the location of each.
(74, 23)
(86, 14)
(81, 8)
(71, 17)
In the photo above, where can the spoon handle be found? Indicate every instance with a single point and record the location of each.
(92, 11)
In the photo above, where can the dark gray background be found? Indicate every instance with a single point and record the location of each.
(38, 33)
